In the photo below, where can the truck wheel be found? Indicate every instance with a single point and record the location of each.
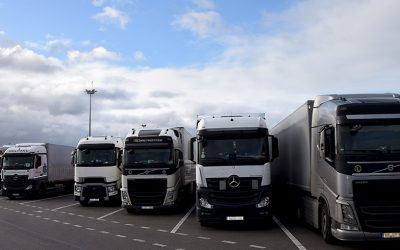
(84, 203)
(325, 222)
(40, 193)
(131, 210)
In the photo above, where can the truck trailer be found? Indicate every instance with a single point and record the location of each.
(233, 155)
(157, 170)
(340, 161)
(97, 161)
(32, 169)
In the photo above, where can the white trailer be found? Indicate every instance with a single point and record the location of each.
(157, 170)
(233, 155)
(340, 164)
(97, 161)
(36, 168)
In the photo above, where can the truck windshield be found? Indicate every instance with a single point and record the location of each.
(147, 157)
(95, 157)
(17, 162)
(243, 151)
(357, 138)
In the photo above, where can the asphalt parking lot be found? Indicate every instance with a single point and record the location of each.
(59, 222)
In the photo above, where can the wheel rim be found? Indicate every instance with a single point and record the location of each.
(324, 222)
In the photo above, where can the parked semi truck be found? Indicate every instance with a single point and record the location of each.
(233, 155)
(2, 150)
(157, 170)
(32, 169)
(340, 156)
(97, 161)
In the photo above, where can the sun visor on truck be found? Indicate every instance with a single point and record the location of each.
(97, 146)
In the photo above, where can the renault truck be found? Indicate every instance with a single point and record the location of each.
(157, 170)
(33, 169)
(97, 161)
(340, 163)
(233, 154)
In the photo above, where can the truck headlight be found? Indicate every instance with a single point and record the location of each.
(170, 196)
(263, 203)
(348, 215)
(204, 203)
(112, 188)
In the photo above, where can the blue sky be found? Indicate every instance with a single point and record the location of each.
(162, 63)
(147, 27)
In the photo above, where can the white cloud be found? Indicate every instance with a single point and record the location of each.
(98, 3)
(328, 47)
(98, 53)
(112, 15)
(202, 23)
(139, 56)
(205, 4)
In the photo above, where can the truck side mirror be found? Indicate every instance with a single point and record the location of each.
(274, 147)
(38, 161)
(322, 144)
(119, 159)
(73, 157)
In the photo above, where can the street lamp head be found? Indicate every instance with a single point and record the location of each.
(90, 91)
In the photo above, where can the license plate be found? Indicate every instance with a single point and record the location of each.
(15, 194)
(95, 199)
(147, 207)
(230, 218)
(391, 235)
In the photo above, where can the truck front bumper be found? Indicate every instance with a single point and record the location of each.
(100, 191)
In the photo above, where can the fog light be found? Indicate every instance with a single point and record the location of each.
(263, 203)
(348, 215)
(348, 227)
(204, 203)
(28, 187)
(78, 188)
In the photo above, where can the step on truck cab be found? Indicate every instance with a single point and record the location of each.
(157, 170)
(32, 169)
(340, 158)
(97, 161)
(233, 168)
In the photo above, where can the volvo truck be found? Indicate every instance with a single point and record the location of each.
(157, 170)
(33, 169)
(340, 158)
(97, 161)
(233, 174)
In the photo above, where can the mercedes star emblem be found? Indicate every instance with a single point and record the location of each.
(233, 181)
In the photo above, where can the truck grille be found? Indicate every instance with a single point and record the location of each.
(16, 181)
(147, 192)
(246, 193)
(96, 192)
(378, 204)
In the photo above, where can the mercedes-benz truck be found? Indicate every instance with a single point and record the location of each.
(97, 161)
(233, 155)
(340, 157)
(157, 170)
(32, 169)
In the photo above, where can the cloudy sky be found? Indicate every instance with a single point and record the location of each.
(161, 63)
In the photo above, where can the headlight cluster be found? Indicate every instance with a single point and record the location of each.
(263, 203)
(204, 203)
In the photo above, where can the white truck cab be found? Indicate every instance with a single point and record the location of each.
(97, 175)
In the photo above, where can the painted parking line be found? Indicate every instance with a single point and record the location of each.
(176, 228)
(51, 198)
(104, 216)
(70, 205)
(289, 234)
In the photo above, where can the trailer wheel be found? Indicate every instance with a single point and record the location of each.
(325, 224)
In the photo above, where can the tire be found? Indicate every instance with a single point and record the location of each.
(131, 210)
(325, 225)
(84, 203)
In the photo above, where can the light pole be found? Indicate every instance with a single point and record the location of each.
(90, 92)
